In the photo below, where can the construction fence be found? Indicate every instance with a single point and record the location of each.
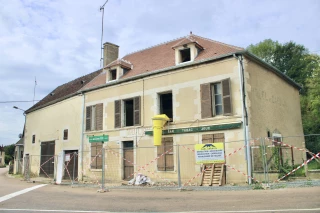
(270, 160)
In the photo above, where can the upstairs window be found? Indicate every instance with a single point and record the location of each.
(112, 75)
(94, 117)
(216, 99)
(185, 55)
(33, 138)
(65, 134)
(127, 112)
(166, 105)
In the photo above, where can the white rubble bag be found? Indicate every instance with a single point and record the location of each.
(140, 179)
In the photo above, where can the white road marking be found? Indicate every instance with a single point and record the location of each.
(83, 211)
(9, 196)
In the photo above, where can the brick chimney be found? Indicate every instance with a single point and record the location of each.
(110, 53)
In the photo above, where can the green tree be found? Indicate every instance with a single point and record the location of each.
(290, 58)
(264, 50)
(310, 104)
(295, 61)
(9, 151)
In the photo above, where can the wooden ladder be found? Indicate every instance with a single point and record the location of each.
(213, 174)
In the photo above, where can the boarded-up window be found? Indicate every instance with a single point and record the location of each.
(94, 117)
(216, 99)
(96, 155)
(65, 134)
(165, 162)
(213, 138)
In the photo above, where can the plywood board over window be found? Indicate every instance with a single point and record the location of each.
(165, 161)
(213, 138)
(96, 156)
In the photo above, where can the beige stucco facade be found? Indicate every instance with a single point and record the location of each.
(48, 125)
(274, 106)
(185, 87)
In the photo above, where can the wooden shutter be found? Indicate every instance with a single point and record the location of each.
(161, 161)
(168, 146)
(136, 111)
(117, 114)
(226, 96)
(96, 156)
(207, 138)
(88, 118)
(218, 137)
(206, 108)
(99, 116)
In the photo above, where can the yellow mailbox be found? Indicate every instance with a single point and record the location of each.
(158, 122)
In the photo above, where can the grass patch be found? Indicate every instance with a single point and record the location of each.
(313, 165)
(257, 186)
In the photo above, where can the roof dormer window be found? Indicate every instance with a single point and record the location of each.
(112, 74)
(185, 55)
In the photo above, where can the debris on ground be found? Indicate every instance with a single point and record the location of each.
(140, 179)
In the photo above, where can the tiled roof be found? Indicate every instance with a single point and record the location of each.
(64, 90)
(120, 62)
(20, 142)
(163, 56)
(187, 40)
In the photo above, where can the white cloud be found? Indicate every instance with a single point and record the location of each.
(59, 40)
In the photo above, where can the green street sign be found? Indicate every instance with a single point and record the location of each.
(198, 129)
(98, 138)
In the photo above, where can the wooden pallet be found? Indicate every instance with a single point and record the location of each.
(213, 175)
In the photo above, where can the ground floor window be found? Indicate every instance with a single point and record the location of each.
(165, 154)
(96, 156)
(213, 138)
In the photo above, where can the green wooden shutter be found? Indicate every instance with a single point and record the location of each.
(117, 114)
(206, 108)
(136, 109)
(99, 116)
(226, 96)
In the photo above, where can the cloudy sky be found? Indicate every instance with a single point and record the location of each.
(59, 40)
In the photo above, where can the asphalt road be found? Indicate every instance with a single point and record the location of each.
(54, 198)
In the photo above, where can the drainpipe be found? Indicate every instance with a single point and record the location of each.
(244, 116)
(82, 133)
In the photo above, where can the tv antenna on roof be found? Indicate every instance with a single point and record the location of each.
(102, 9)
